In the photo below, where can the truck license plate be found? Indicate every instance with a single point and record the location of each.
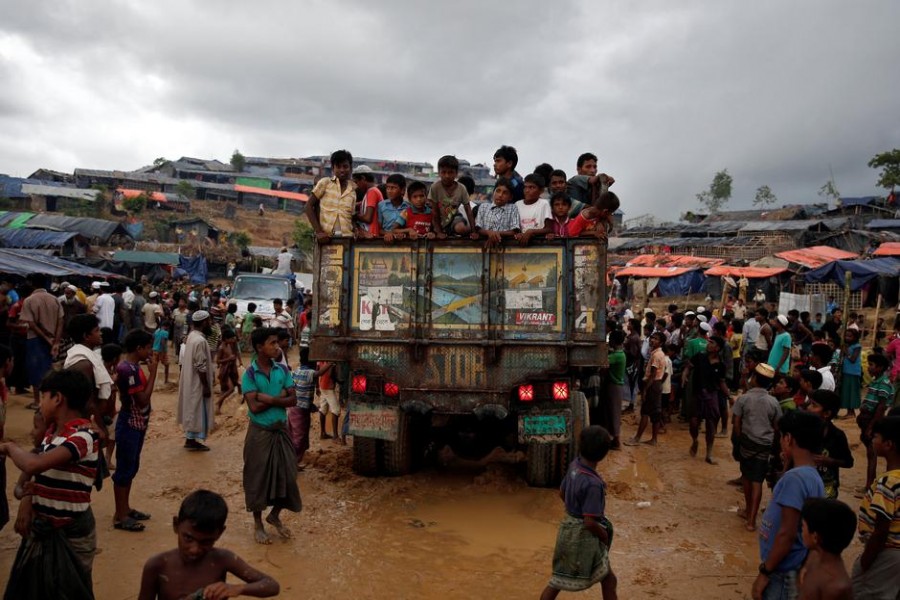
(549, 428)
(374, 421)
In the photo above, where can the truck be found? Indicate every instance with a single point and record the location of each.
(447, 342)
(260, 290)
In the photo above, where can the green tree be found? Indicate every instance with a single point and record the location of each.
(764, 196)
(238, 161)
(185, 190)
(241, 239)
(719, 192)
(303, 236)
(889, 163)
(829, 191)
(136, 204)
(160, 161)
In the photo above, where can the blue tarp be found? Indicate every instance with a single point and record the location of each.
(863, 271)
(34, 238)
(194, 267)
(883, 224)
(25, 262)
(135, 230)
(681, 285)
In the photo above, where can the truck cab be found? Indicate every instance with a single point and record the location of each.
(446, 342)
(260, 290)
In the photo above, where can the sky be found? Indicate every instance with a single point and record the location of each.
(784, 94)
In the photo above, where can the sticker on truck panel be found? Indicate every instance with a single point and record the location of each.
(374, 421)
(543, 428)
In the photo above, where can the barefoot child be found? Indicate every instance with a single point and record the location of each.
(879, 395)
(111, 353)
(828, 528)
(195, 570)
(59, 537)
(755, 415)
(876, 573)
(135, 390)
(270, 465)
(161, 346)
(581, 556)
(651, 404)
(227, 359)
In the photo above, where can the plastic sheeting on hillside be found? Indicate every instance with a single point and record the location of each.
(748, 272)
(86, 226)
(863, 271)
(672, 281)
(194, 267)
(25, 262)
(34, 238)
(888, 249)
(815, 256)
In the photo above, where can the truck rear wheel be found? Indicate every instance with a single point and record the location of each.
(398, 454)
(539, 471)
(365, 456)
(581, 418)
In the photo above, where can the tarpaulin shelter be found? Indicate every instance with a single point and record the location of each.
(38, 238)
(194, 267)
(99, 229)
(146, 257)
(877, 275)
(672, 260)
(815, 256)
(26, 262)
(669, 281)
(888, 249)
(771, 280)
(748, 272)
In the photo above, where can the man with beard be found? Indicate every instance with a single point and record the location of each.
(195, 384)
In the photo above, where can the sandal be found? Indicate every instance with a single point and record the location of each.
(195, 446)
(138, 515)
(128, 524)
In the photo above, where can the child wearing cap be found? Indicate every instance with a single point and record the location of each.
(755, 416)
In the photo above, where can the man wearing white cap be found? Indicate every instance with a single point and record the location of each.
(105, 309)
(152, 312)
(89, 301)
(780, 354)
(195, 384)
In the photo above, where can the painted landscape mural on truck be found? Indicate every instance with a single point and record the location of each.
(392, 293)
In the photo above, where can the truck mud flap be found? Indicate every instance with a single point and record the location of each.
(374, 421)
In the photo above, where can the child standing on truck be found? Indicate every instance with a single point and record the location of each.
(535, 217)
(581, 556)
(420, 222)
(501, 218)
(392, 212)
(450, 200)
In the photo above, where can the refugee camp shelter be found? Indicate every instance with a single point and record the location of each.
(22, 262)
(65, 243)
(871, 277)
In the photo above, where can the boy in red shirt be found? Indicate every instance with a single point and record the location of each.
(421, 220)
(329, 400)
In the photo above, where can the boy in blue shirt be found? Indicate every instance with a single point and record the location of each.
(393, 210)
(505, 160)
(581, 556)
(270, 465)
(781, 546)
(161, 346)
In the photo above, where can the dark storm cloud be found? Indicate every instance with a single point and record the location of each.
(775, 92)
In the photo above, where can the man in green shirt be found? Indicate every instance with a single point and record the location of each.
(615, 387)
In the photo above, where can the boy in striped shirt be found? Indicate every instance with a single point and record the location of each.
(876, 573)
(57, 551)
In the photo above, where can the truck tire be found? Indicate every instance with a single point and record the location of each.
(398, 454)
(365, 456)
(581, 418)
(539, 468)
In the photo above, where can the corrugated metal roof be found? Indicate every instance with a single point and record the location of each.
(19, 220)
(59, 191)
(34, 238)
(24, 262)
(145, 257)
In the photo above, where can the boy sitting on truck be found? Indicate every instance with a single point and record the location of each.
(393, 210)
(450, 199)
(420, 222)
(563, 225)
(581, 556)
(501, 218)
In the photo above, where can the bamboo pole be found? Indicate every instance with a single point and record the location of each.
(875, 326)
(845, 306)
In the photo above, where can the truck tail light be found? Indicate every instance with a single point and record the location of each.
(526, 393)
(359, 384)
(561, 390)
(391, 389)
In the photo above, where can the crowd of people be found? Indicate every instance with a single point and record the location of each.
(782, 379)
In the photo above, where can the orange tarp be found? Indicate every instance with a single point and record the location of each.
(673, 260)
(155, 196)
(748, 272)
(888, 249)
(249, 189)
(815, 256)
(653, 271)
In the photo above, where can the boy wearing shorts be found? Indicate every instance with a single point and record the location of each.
(325, 389)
